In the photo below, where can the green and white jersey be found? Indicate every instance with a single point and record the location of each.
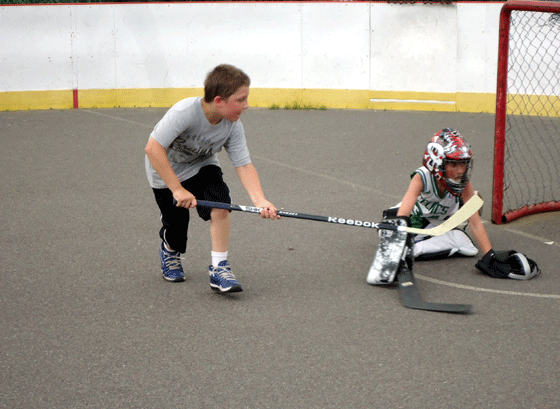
(430, 205)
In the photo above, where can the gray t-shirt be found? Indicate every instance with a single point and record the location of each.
(192, 142)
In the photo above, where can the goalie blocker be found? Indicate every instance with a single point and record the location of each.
(395, 247)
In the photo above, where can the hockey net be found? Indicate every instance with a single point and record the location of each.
(527, 133)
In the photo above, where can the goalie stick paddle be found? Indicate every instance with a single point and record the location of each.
(466, 211)
(411, 298)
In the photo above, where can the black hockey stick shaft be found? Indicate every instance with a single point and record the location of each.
(466, 211)
(296, 215)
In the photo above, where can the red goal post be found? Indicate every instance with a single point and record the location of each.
(526, 176)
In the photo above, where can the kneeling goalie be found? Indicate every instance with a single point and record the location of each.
(436, 191)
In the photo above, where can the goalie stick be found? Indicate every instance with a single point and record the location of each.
(466, 211)
(411, 298)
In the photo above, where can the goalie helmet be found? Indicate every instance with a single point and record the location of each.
(448, 146)
(522, 267)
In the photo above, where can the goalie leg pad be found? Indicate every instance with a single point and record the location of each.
(389, 254)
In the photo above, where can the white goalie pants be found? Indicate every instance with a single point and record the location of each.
(446, 245)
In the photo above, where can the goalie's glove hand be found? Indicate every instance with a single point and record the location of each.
(409, 236)
(508, 264)
(395, 221)
(405, 218)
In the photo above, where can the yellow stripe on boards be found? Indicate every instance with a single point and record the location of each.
(292, 98)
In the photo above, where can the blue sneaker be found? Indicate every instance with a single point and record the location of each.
(222, 279)
(171, 268)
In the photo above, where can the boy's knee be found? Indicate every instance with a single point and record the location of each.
(219, 214)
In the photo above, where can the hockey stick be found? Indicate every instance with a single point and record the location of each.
(411, 298)
(466, 211)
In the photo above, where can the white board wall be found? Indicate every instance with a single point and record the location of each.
(335, 45)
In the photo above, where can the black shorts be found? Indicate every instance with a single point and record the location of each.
(207, 184)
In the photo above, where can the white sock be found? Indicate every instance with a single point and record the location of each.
(218, 256)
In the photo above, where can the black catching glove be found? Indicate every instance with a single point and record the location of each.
(508, 264)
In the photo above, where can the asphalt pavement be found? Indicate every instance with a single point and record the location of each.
(88, 322)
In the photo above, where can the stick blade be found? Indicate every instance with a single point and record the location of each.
(411, 298)
(462, 215)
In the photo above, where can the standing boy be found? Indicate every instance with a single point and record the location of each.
(182, 166)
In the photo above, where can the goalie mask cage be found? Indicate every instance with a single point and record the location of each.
(527, 134)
